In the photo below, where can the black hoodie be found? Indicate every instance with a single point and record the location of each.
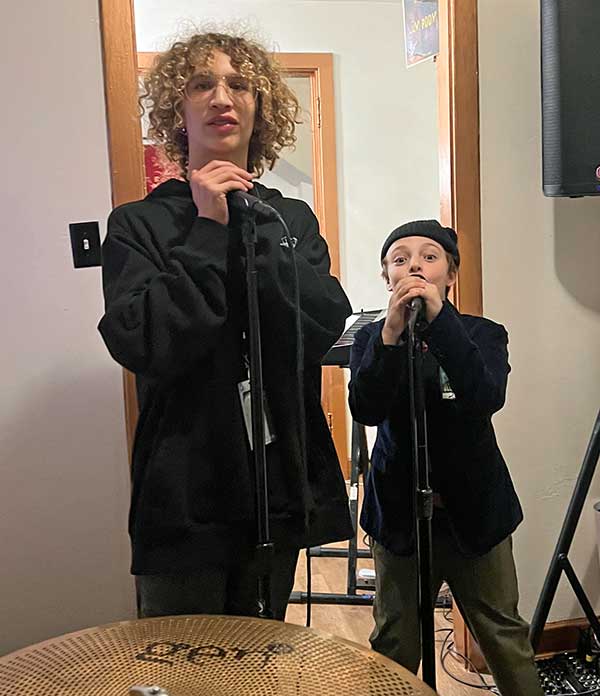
(174, 287)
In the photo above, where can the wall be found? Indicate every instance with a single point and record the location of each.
(63, 466)
(540, 278)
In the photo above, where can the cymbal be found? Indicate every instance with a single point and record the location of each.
(203, 656)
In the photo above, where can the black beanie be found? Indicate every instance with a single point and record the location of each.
(445, 236)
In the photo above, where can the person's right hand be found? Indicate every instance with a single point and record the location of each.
(211, 184)
(398, 312)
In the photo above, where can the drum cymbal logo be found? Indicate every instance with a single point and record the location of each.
(166, 652)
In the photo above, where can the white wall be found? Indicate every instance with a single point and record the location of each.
(541, 279)
(63, 469)
(386, 115)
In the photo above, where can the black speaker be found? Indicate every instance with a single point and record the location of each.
(571, 97)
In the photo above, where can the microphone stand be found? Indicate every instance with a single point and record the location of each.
(423, 498)
(264, 546)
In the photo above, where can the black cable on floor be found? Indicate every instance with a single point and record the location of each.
(446, 650)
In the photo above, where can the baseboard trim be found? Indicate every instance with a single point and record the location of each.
(560, 636)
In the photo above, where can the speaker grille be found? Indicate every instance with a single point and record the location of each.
(570, 63)
(551, 127)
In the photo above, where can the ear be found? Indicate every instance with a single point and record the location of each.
(386, 278)
(451, 279)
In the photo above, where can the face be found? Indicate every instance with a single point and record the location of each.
(422, 256)
(219, 111)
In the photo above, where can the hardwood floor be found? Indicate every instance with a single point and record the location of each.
(355, 623)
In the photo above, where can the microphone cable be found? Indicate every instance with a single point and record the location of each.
(300, 391)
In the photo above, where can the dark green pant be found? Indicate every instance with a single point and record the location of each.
(217, 589)
(486, 592)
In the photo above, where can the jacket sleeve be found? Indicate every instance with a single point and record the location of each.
(162, 316)
(477, 364)
(323, 303)
(378, 373)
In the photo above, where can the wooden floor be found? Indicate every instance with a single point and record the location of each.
(355, 623)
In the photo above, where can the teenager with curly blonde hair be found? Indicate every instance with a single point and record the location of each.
(277, 107)
(176, 316)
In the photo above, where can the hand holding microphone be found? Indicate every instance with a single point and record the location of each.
(412, 294)
(211, 184)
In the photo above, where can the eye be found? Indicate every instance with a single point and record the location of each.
(239, 83)
(203, 83)
(399, 260)
(430, 257)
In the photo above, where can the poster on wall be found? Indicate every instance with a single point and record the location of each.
(421, 30)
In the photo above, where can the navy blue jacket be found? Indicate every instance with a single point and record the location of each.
(467, 468)
(176, 311)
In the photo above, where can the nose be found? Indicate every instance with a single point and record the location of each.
(221, 97)
(415, 265)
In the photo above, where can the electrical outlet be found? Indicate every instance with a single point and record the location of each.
(85, 244)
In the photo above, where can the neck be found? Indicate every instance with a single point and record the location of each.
(199, 159)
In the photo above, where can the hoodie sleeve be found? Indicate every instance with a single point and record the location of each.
(476, 362)
(323, 303)
(378, 373)
(162, 317)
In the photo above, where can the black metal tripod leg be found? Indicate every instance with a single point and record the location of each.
(580, 594)
(567, 532)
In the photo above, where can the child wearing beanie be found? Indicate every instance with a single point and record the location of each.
(475, 507)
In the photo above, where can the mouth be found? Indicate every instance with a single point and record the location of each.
(223, 121)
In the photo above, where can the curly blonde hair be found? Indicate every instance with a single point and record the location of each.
(277, 107)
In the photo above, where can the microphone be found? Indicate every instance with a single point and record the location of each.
(248, 204)
(417, 305)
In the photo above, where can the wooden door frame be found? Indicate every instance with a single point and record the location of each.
(458, 114)
(458, 122)
(460, 189)
(126, 154)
